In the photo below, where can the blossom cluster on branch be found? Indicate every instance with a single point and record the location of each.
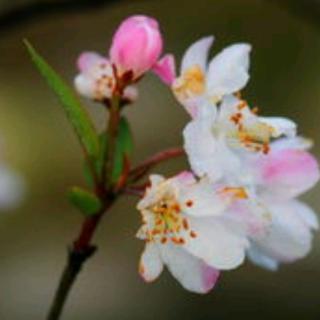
(238, 199)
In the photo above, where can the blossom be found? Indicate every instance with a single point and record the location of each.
(97, 80)
(201, 82)
(136, 47)
(286, 172)
(186, 227)
(217, 139)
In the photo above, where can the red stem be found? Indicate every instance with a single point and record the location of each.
(141, 169)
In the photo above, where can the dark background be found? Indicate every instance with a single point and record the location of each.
(285, 80)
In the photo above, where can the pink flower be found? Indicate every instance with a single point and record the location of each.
(136, 45)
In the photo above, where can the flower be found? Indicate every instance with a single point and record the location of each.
(101, 77)
(200, 82)
(217, 139)
(286, 172)
(186, 227)
(97, 80)
(136, 45)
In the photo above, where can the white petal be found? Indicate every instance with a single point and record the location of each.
(207, 154)
(297, 143)
(228, 71)
(150, 266)
(156, 179)
(193, 274)
(289, 238)
(216, 244)
(261, 260)
(307, 215)
(201, 148)
(197, 54)
(203, 200)
(281, 126)
(85, 86)
(151, 195)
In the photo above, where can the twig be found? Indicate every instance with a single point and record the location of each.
(140, 170)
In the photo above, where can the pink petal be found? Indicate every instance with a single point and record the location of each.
(136, 45)
(87, 60)
(165, 69)
(186, 177)
(210, 277)
(289, 172)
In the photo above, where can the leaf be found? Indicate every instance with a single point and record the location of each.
(85, 201)
(123, 148)
(76, 113)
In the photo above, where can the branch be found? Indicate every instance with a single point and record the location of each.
(140, 170)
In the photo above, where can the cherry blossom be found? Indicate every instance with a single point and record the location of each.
(186, 227)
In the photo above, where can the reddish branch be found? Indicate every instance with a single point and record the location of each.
(140, 170)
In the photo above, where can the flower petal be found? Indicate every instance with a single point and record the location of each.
(216, 244)
(287, 172)
(165, 69)
(193, 274)
(297, 143)
(281, 126)
(307, 214)
(201, 200)
(151, 265)
(289, 237)
(197, 54)
(85, 86)
(228, 71)
(261, 260)
(208, 153)
(88, 61)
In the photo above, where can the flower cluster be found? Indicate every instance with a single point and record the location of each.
(240, 197)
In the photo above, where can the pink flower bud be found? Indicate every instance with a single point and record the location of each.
(136, 45)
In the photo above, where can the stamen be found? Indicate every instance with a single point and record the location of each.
(193, 234)
(189, 203)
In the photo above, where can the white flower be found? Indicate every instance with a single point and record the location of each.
(186, 227)
(97, 80)
(280, 176)
(201, 82)
(218, 137)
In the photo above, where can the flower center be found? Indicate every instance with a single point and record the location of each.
(105, 82)
(191, 83)
(168, 222)
(252, 133)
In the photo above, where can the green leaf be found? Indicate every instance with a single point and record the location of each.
(76, 113)
(85, 201)
(124, 147)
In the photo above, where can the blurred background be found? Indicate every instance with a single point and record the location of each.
(38, 143)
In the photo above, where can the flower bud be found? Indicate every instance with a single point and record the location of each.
(136, 45)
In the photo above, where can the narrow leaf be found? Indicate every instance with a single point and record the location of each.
(85, 201)
(76, 113)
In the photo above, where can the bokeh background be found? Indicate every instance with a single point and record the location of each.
(38, 142)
